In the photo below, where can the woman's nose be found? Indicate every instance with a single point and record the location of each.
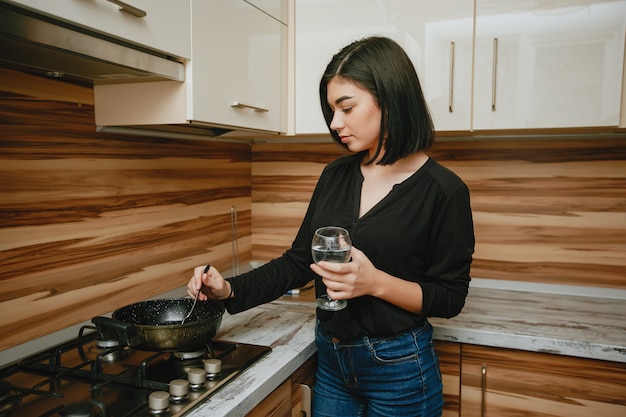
(336, 123)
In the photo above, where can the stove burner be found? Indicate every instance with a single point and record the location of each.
(190, 355)
(83, 409)
(110, 351)
(108, 343)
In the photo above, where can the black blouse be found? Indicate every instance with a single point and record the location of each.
(422, 231)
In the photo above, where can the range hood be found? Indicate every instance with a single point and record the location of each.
(40, 45)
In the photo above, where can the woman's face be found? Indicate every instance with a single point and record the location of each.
(356, 117)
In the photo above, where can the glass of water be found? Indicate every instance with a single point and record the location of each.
(331, 244)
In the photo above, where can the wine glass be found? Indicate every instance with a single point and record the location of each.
(331, 244)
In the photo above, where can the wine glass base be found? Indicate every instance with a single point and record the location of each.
(326, 303)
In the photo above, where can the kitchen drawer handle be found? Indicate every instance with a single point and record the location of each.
(495, 72)
(483, 390)
(234, 230)
(239, 105)
(305, 400)
(129, 8)
(451, 89)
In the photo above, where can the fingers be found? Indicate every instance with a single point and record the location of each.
(200, 276)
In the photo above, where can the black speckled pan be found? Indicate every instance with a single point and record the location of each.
(155, 325)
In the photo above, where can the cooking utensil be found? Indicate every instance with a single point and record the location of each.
(206, 269)
(155, 325)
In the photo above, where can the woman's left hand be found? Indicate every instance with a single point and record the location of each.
(348, 280)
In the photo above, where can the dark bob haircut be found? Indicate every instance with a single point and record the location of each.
(381, 66)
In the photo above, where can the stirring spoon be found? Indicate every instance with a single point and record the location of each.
(206, 269)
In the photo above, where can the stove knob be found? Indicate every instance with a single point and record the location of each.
(213, 367)
(158, 401)
(179, 388)
(196, 378)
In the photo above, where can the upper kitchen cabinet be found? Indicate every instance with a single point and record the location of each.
(437, 35)
(160, 25)
(483, 64)
(238, 65)
(548, 64)
(235, 80)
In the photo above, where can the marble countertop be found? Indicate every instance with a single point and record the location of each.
(573, 325)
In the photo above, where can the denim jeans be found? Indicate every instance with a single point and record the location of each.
(393, 376)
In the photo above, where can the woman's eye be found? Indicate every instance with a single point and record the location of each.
(346, 110)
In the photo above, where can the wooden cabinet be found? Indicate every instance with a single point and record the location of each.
(499, 382)
(236, 78)
(548, 64)
(164, 27)
(292, 398)
(449, 354)
(483, 64)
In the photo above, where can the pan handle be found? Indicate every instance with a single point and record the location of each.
(130, 334)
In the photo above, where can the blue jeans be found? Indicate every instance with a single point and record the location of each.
(375, 377)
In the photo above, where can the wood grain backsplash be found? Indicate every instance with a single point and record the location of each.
(91, 222)
(545, 210)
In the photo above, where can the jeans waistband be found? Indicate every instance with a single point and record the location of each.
(368, 340)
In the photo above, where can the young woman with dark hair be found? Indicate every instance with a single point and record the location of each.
(411, 227)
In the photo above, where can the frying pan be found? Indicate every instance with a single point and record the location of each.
(155, 325)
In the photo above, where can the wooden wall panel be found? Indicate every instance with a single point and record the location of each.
(545, 210)
(91, 222)
(283, 178)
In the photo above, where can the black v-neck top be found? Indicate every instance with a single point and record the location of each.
(422, 231)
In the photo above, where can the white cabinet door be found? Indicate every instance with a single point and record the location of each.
(438, 36)
(321, 30)
(425, 28)
(275, 8)
(165, 26)
(548, 64)
(238, 66)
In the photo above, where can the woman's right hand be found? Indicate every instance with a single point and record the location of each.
(211, 284)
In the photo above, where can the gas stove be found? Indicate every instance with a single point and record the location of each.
(88, 377)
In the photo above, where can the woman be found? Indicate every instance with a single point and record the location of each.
(411, 227)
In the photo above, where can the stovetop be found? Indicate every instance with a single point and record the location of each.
(85, 377)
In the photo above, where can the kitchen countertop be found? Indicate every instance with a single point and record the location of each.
(573, 325)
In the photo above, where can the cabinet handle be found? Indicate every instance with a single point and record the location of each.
(129, 8)
(451, 90)
(239, 105)
(234, 230)
(483, 390)
(495, 71)
(305, 400)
